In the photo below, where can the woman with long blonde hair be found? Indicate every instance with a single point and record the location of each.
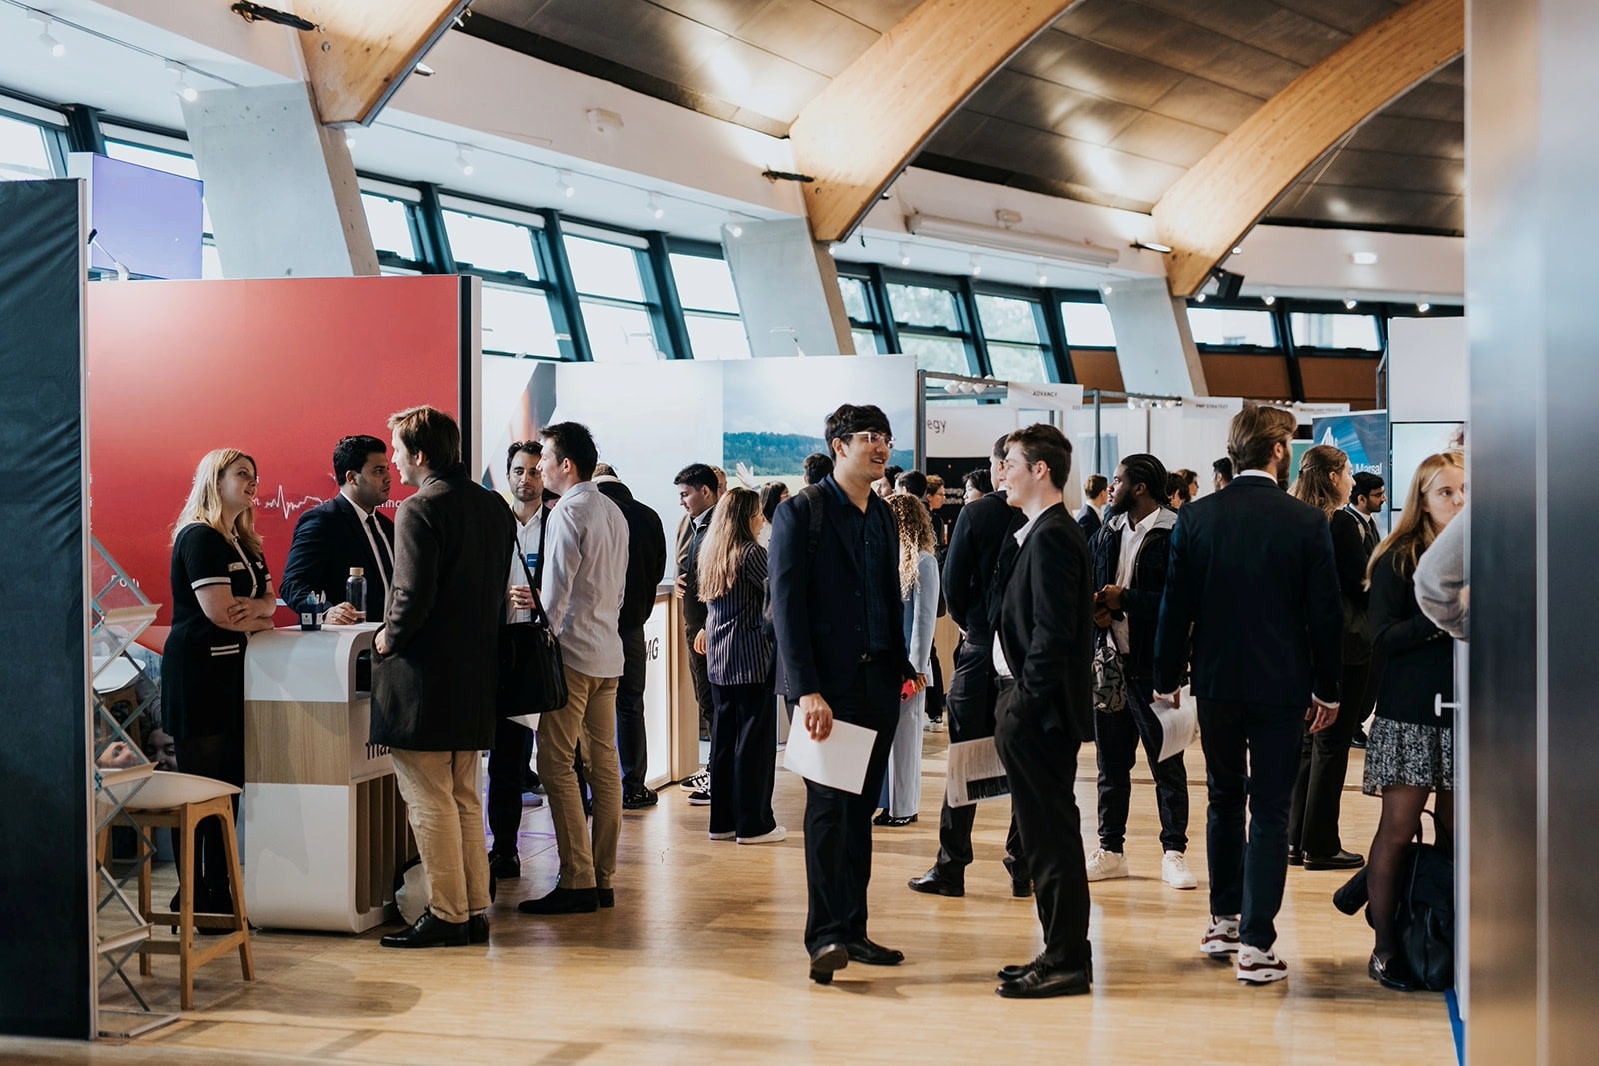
(1326, 482)
(1410, 753)
(918, 588)
(221, 593)
(738, 662)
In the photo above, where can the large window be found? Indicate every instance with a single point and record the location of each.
(1013, 333)
(1227, 327)
(24, 153)
(389, 221)
(489, 245)
(710, 306)
(863, 325)
(608, 273)
(503, 251)
(928, 320)
(1334, 331)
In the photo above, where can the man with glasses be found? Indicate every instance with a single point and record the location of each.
(841, 654)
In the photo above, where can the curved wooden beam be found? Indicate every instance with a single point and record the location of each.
(363, 49)
(861, 131)
(1208, 210)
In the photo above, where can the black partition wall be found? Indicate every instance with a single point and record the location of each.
(46, 952)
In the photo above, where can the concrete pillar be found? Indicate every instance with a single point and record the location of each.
(1531, 322)
(280, 186)
(1153, 342)
(787, 289)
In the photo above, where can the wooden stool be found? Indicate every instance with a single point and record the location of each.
(201, 798)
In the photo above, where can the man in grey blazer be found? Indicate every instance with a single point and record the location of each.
(436, 668)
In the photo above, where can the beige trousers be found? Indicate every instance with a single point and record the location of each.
(588, 724)
(445, 808)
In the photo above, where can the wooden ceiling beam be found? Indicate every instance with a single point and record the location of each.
(363, 49)
(857, 135)
(1208, 211)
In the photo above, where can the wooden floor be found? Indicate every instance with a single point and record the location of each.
(701, 962)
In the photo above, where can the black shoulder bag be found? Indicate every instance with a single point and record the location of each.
(532, 678)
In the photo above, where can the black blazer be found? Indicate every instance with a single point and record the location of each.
(328, 540)
(1089, 519)
(1045, 624)
(435, 690)
(817, 604)
(1251, 600)
(1415, 657)
(646, 554)
(1352, 552)
(982, 529)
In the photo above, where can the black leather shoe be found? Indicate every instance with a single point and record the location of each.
(1021, 885)
(1296, 857)
(865, 951)
(504, 865)
(563, 901)
(934, 884)
(431, 931)
(607, 896)
(1042, 982)
(828, 960)
(1358, 738)
(1390, 974)
(639, 798)
(888, 819)
(1338, 860)
(1016, 973)
(477, 929)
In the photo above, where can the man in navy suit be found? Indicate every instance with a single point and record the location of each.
(1096, 493)
(1043, 650)
(1252, 608)
(346, 531)
(841, 654)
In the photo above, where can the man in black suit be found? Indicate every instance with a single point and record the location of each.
(346, 531)
(646, 565)
(698, 489)
(1096, 493)
(1365, 500)
(1043, 650)
(982, 530)
(1251, 606)
(841, 653)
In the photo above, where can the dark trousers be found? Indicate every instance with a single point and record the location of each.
(1251, 756)
(508, 759)
(702, 681)
(1117, 736)
(1041, 764)
(970, 703)
(935, 687)
(219, 756)
(743, 758)
(632, 746)
(838, 824)
(1323, 767)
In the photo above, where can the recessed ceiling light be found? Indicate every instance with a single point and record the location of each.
(1363, 259)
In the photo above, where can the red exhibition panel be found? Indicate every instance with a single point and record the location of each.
(279, 368)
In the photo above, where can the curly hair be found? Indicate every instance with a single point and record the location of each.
(915, 537)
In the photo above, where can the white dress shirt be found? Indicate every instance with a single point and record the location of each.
(362, 515)
(1001, 667)
(1126, 559)
(585, 575)
(527, 543)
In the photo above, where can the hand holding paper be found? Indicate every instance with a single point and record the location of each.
(838, 760)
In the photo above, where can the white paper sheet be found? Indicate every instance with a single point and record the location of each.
(1179, 724)
(975, 773)
(837, 762)
(529, 720)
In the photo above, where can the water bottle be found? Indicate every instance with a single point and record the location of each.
(355, 592)
(315, 607)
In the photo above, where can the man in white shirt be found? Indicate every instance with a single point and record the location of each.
(513, 741)
(584, 576)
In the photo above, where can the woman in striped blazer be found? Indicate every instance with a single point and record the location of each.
(738, 656)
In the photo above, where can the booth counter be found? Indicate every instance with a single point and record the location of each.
(324, 825)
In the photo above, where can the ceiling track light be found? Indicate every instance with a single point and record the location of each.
(1199, 298)
(735, 229)
(656, 208)
(1350, 302)
(976, 265)
(463, 160)
(904, 255)
(1269, 298)
(1423, 307)
(1152, 246)
(1042, 275)
(563, 182)
(185, 90)
(46, 38)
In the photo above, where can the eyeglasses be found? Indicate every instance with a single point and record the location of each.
(872, 436)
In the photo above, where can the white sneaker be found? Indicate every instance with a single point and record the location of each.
(1260, 967)
(1221, 939)
(1103, 865)
(776, 835)
(722, 836)
(1175, 872)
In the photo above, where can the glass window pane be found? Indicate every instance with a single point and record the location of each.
(1087, 325)
(210, 262)
(865, 342)
(1006, 318)
(602, 269)
(22, 151)
(946, 355)
(490, 244)
(1225, 326)
(854, 292)
(716, 338)
(1017, 362)
(1334, 331)
(918, 305)
(390, 223)
(154, 158)
(619, 334)
(517, 321)
(704, 284)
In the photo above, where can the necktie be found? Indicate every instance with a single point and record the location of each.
(385, 561)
